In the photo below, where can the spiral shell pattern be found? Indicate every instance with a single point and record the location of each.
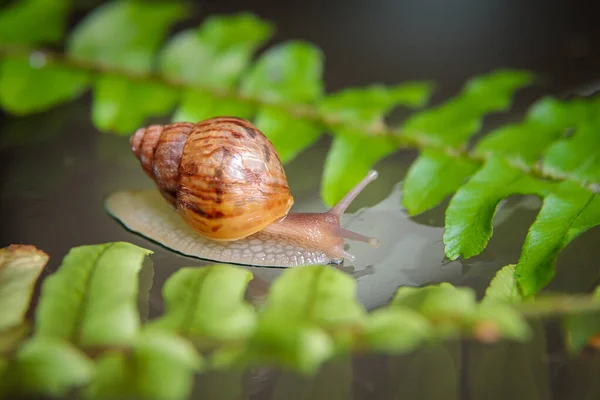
(222, 175)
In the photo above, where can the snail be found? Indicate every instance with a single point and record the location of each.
(227, 198)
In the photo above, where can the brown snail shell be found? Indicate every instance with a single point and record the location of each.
(222, 175)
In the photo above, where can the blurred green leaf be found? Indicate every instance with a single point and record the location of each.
(214, 55)
(579, 328)
(504, 288)
(497, 320)
(469, 224)
(564, 216)
(92, 299)
(396, 330)
(208, 303)
(198, 106)
(450, 173)
(354, 152)
(46, 366)
(290, 73)
(20, 267)
(145, 282)
(295, 345)
(218, 52)
(289, 135)
(578, 156)
(455, 121)
(317, 295)
(471, 211)
(434, 300)
(435, 175)
(528, 139)
(369, 104)
(158, 366)
(122, 106)
(450, 307)
(309, 312)
(444, 310)
(34, 21)
(124, 34)
(351, 156)
(26, 87)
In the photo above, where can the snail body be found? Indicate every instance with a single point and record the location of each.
(226, 182)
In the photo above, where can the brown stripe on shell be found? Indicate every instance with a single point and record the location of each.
(149, 142)
(195, 196)
(205, 138)
(204, 194)
(218, 120)
(249, 130)
(167, 156)
(193, 207)
(210, 152)
(267, 152)
(242, 127)
(136, 141)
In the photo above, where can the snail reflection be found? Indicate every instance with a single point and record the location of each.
(227, 198)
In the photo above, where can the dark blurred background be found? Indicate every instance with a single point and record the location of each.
(445, 41)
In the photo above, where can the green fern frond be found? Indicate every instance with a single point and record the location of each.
(34, 22)
(93, 339)
(121, 51)
(568, 209)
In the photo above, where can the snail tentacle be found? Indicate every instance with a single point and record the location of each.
(343, 204)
